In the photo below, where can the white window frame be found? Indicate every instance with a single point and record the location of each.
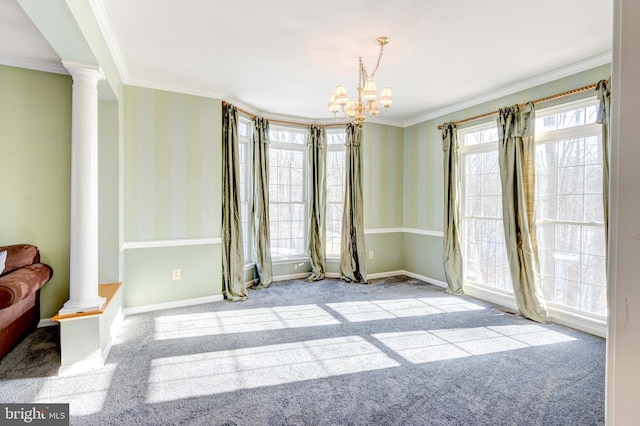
(246, 141)
(463, 151)
(585, 130)
(303, 148)
(335, 148)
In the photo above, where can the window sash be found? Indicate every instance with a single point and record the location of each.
(288, 218)
(245, 130)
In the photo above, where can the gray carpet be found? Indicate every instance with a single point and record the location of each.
(396, 352)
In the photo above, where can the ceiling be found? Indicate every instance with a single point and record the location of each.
(284, 57)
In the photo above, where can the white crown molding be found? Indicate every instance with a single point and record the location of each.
(170, 243)
(386, 122)
(584, 65)
(240, 105)
(278, 117)
(176, 89)
(33, 64)
(109, 37)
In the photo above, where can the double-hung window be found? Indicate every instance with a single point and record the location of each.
(569, 208)
(246, 190)
(287, 191)
(483, 246)
(336, 159)
(571, 236)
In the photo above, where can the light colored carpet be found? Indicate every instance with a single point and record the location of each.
(396, 352)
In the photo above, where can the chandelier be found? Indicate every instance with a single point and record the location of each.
(367, 103)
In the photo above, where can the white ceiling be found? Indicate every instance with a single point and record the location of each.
(285, 57)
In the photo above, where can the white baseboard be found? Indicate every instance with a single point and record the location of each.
(291, 276)
(408, 274)
(175, 304)
(579, 322)
(557, 315)
(491, 296)
(47, 322)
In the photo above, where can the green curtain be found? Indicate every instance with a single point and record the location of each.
(452, 249)
(260, 207)
(317, 147)
(516, 152)
(232, 256)
(352, 247)
(603, 91)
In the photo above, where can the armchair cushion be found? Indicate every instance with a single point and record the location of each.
(22, 282)
(18, 256)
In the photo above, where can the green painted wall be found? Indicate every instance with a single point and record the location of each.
(35, 141)
(388, 252)
(172, 190)
(172, 160)
(108, 190)
(423, 255)
(382, 175)
(147, 278)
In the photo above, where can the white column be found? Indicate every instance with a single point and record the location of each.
(623, 339)
(83, 272)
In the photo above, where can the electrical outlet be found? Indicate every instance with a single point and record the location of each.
(175, 274)
(370, 254)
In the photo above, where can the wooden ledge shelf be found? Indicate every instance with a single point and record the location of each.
(108, 291)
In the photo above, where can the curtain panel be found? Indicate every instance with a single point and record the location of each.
(232, 253)
(452, 256)
(603, 92)
(516, 154)
(260, 206)
(317, 147)
(353, 266)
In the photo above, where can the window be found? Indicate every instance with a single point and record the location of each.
(336, 158)
(287, 191)
(569, 208)
(484, 251)
(571, 236)
(246, 190)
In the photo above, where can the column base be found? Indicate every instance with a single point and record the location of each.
(80, 306)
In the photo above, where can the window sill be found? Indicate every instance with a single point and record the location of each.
(568, 317)
(292, 259)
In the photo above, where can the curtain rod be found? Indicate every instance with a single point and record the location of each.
(282, 121)
(537, 101)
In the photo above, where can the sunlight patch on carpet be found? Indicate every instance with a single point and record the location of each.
(371, 310)
(229, 371)
(85, 393)
(241, 321)
(426, 346)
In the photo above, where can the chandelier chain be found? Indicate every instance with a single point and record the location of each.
(378, 63)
